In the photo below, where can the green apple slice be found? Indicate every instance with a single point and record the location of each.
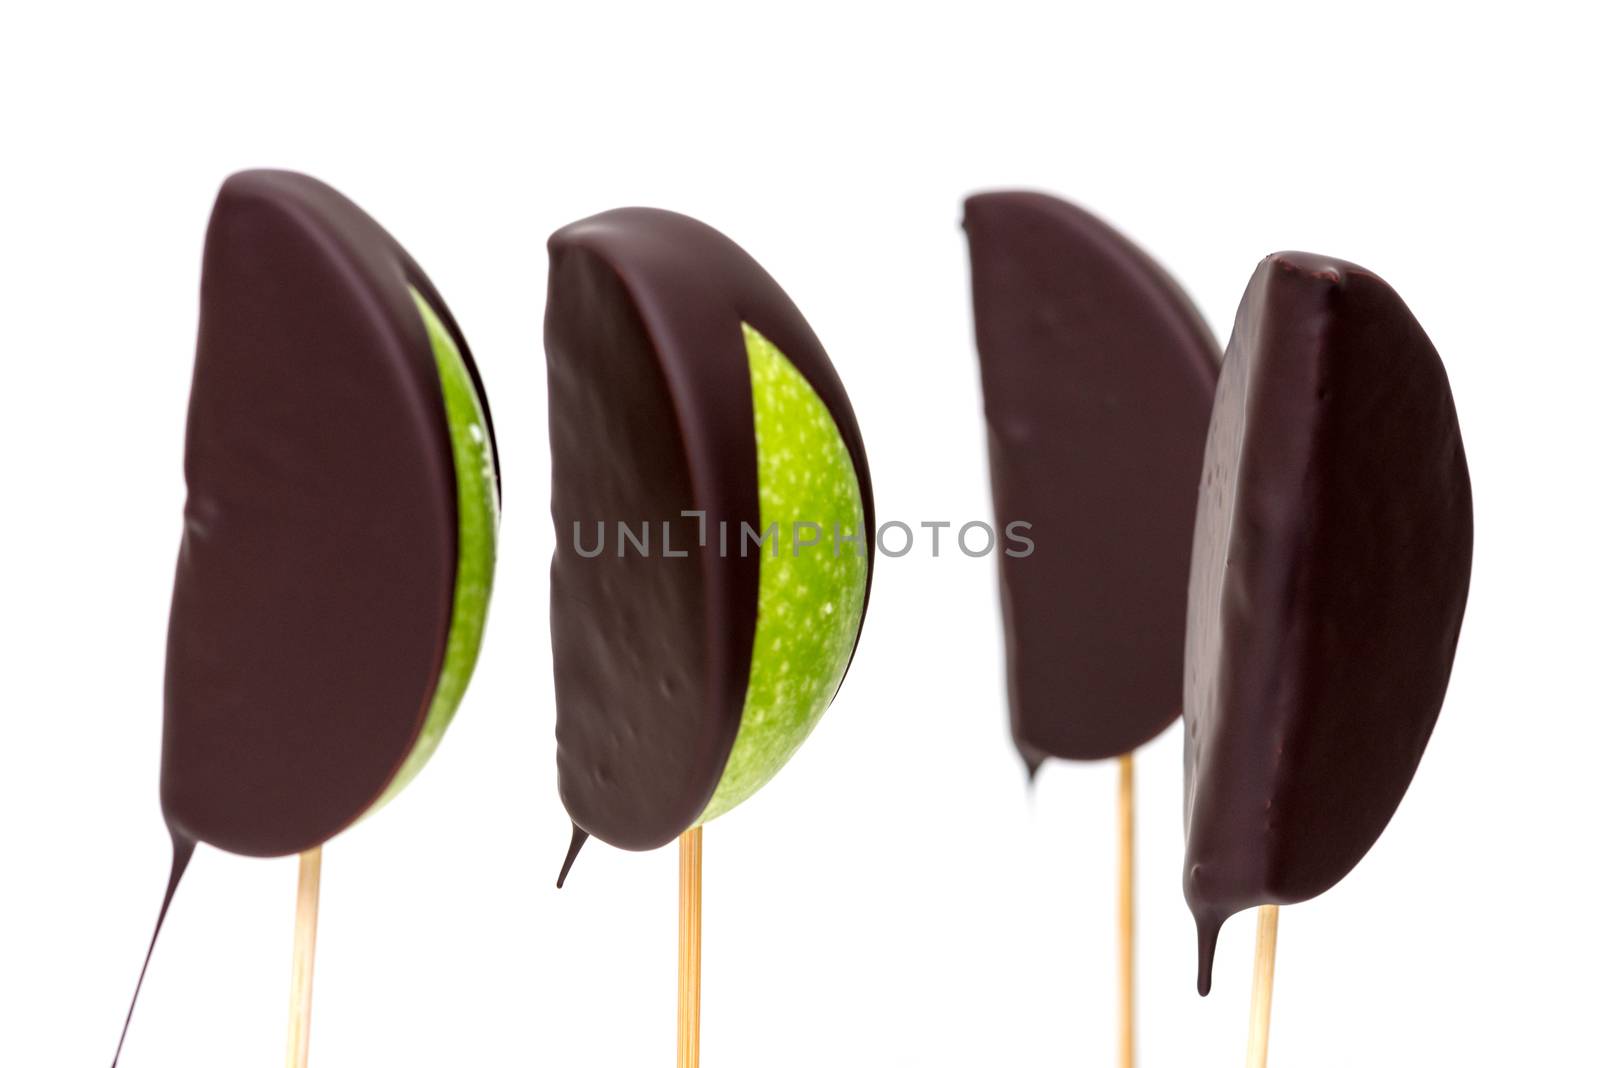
(478, 516)
(811, 596)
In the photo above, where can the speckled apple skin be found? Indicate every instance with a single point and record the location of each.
(811, 596)
(478, 511)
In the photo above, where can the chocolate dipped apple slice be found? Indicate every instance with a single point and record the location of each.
(1332, 552)
(339, 533)
(1097, 381)
(714, 519)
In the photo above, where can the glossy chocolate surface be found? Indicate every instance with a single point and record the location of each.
(1332, 553)
(1097, 382)
(314, 582)
(651, 416)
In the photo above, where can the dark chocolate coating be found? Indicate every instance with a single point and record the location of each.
(1332, 552)
(651, 415)
(1097, 382)
(316, 577)
(315, 580)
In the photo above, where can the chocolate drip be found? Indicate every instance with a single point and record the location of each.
(579, 836)
(1332, 552)
(1208, 924)
(182, 853)
(1097, 382)
(650, 417)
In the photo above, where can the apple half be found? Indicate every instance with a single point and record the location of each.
(714, 518)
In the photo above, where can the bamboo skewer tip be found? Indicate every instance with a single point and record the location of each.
(1125, 920)
(307, 897)
(689, 868)
(1261, 985)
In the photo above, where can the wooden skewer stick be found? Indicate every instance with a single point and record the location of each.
(1125, 904)
(305, 957)
(1261, 987)
(683, 943)
(689, 948)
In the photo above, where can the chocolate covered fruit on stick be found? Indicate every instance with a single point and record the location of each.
(339, 535)
(714, 519)
(1332, 551)
(1097, 381)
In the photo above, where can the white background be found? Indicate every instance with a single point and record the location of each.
(895, 897)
